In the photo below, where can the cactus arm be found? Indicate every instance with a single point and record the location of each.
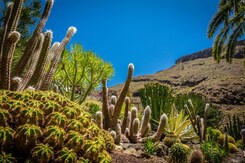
(11, 42)
(135, 129)
(205, 121)
(42, 59)
(145, 121)
(99, 119)
(122, 96)
(3, 36)
(192, 119)
(125, 118)
(14, 19)
(31, 45)
(133, 116)
(161, 127)
(105, 110)
(33, 63)
(50, 74)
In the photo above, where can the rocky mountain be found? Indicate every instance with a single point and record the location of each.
(223, 84)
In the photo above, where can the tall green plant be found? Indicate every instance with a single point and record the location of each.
(158, 97)
(80, 72)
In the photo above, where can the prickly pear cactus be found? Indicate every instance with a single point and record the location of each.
(40, 126)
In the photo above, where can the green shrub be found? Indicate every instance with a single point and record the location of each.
(212, 152)
(150, 146)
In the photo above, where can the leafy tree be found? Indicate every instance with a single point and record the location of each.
(229, 21)
(80, 72)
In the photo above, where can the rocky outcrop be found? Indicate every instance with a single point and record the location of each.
(208, 53)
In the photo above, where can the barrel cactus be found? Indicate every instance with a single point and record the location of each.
(179, 153)
(40, 126)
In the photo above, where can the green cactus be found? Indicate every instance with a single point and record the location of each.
(79, 134)
(66, 156)
(75, 140)
(42, 153)
(171, 139)
(125, 118)
(196, 156)
(54, 135)
(6, 136)
(6, 158)
(57, 118)
(5, 117)
(178, 153)
(31, 115)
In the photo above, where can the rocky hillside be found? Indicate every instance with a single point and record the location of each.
(223, 84)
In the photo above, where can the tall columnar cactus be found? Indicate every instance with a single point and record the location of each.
(145, 121)
(243, 136)
(118, 138)
(111, 122)
(133, 117)
(125, 118)
(98, 119)
(30, 69)
(160, 129)
(199, 124)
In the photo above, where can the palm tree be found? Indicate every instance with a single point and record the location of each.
(229, 21)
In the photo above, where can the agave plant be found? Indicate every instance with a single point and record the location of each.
(75, 140)
(54, 135)
(6, 135)
(5, 117)
(70, 112)
(57, 118)
(66, 156)
(42, 153)
(6, 158)
(31, 115)
(27, 135)
(75, 125)
(179, 126)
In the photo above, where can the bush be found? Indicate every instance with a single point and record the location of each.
(212, 152)
(179, 153)
(150, 146)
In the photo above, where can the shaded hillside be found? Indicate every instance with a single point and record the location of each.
(223, 84)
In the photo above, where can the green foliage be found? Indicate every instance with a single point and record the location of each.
(92, 106)
(214, 115)
(60, 138)
(158, 97)
(80, 72)
(229, 22)
(212, 152)
(233, 126)
(150, 146)
(179, 153)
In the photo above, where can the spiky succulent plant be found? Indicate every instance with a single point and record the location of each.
(55, 134)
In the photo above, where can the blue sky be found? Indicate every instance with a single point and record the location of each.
(152, 34)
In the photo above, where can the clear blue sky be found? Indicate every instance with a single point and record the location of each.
(152, 34)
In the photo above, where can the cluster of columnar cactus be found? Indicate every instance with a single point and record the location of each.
(39, 61)
(130, 128)
(199, 124)
(44, 126)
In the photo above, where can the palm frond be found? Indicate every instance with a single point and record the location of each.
(220, 17)
(236, 34)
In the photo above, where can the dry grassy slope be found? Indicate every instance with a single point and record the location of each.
(223, 84)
